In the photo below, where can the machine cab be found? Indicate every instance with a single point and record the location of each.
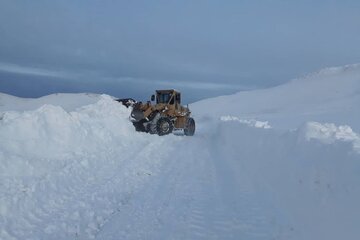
(170, 97)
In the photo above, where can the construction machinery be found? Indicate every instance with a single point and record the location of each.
(162, 115)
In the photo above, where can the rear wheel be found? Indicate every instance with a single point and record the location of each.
(189, 129)
(164, 126)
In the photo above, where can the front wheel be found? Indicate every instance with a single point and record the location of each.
(164, 126)
(189, 129)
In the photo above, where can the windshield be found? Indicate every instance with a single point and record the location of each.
(163, 97)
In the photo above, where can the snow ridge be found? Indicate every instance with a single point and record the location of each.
(249, 122)
(329, 133)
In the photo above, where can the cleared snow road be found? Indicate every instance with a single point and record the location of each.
(195, 195)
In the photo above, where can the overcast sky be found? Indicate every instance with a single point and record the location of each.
(204, 48)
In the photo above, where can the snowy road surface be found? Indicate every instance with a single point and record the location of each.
(196, 197)
(72, 167)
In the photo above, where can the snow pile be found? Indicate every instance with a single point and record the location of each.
(50, 131)
(59, 170)
(329, 133)
(327, 96)
(306, 189)
(251, 122)
(67, 101)
(330, 71)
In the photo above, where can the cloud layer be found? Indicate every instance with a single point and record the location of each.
(229, 46)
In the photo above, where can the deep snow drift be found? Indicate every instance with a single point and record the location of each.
(330, 95)
(279, 163)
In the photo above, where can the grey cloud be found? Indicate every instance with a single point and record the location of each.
(224, 45)
(17, 69)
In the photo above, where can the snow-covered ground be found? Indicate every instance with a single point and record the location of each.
(279, 163)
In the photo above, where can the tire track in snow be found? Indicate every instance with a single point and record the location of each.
(196, 195)
(224, 206)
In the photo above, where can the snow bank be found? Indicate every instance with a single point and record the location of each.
(58, 169)
(331, 95)
(249, 122)
(308, 177)
(68, 101)
(329, 133)
(50, 131)
(330, 71)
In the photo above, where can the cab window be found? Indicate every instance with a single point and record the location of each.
(163, 98)
(178, 98)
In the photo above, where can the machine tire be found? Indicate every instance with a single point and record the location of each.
(189, 129)
(164, 126)
(150, 129)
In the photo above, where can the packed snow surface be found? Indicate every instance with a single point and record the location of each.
(279, 163)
